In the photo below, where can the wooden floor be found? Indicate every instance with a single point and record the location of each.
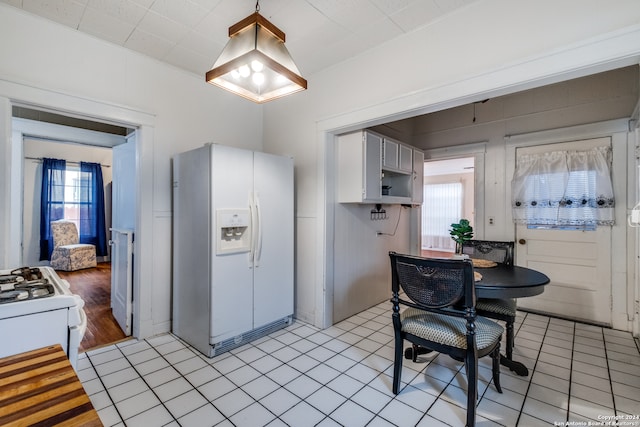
(94, 287)
(436, 254)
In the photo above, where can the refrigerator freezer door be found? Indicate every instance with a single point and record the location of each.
(192, 247)
(231, 273)
(273, 274)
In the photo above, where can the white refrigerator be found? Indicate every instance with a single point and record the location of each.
(232, 246)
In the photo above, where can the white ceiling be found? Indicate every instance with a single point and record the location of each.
(190, 34)
(449, 166)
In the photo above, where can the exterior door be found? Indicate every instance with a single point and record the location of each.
(579, 266)
(123, 208)
(577, 261)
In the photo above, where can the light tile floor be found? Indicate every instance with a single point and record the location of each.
(342, 376)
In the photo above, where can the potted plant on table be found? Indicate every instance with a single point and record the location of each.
(461, 232)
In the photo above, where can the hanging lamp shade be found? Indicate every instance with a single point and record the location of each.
(255, 63)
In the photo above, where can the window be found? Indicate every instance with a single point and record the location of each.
(74, 193)
(564, 189)
(442, 207)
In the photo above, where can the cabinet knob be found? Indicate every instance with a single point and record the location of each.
(522, 241)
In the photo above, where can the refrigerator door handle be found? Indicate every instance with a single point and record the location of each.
(252, 212)
(258, 250)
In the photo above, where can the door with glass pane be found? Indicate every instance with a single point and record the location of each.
(577, 259)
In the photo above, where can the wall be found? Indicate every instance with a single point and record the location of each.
(58, 68)
(360, 283)
(32, 173)
(467, 56)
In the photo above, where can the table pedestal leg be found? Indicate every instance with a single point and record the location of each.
(409, 352)
(516, 367)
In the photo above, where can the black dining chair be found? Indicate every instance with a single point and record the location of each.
(498, 309)
(440, 316)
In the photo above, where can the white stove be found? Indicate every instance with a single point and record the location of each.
(37, 309)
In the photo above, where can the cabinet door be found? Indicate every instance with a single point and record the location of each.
(390, 154)
(372, 188)
(418, 177)
(405, 163)
(359, 167)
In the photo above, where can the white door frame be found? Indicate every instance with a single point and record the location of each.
(11, 94)
(477, 150)
(24, 128)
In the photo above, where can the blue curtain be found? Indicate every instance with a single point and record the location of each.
(92, 223)
(51, 202)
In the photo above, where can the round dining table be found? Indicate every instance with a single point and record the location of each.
(510, 281)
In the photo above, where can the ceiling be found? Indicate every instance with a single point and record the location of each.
(449, 166)
(190, 34)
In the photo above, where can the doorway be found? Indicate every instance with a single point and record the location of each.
(49, 135)
(449, 194)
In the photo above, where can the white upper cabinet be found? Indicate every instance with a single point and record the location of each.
(374, 169)
(359, 168)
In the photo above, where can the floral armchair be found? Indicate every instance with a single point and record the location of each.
(68, 254)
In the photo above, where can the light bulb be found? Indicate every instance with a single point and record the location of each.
(258, 78)
(244, 71)
(256, 65)
(235, 74)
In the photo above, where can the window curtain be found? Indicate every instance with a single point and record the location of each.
(442, 206)
(564, 188)
(51, 202)
(92, 222)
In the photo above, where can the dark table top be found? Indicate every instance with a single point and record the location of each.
(509, 281)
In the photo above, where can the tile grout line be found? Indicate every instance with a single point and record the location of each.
(606, 358)
(147, 384)
(573, 346)
(104, 386)
(526, 394)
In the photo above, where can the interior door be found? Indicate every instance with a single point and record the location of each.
(123, 208)
(122, 277)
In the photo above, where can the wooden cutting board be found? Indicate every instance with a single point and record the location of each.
(40, 387)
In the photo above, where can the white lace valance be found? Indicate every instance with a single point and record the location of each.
(564, 188)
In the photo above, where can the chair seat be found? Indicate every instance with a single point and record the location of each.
(505, 307)
(449, 330)
(74, 257)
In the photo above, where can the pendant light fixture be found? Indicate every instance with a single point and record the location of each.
(255, 63)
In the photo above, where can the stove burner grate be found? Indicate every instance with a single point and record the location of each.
(23, 291)
(28, 273)
(10, 278)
